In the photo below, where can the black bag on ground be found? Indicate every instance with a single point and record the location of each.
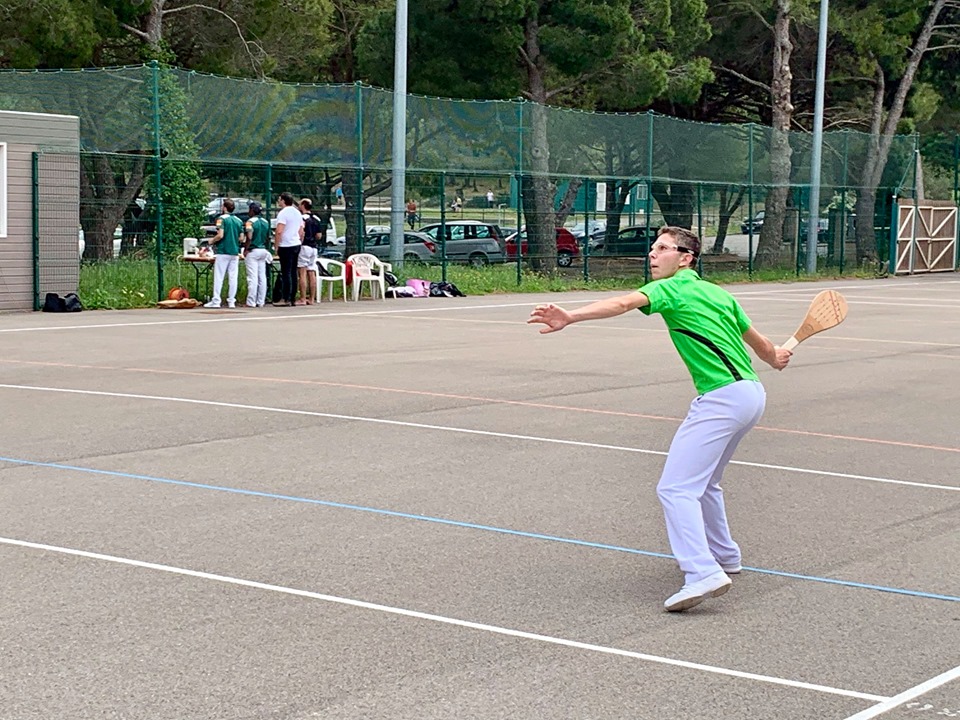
(71, 303)
(277, 289)
(68, 303)
(392, 280)
(445, 289)
(53, 303)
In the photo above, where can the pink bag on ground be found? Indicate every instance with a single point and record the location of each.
(421, 288)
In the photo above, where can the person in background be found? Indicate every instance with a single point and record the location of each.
(286, 242)
(490, 198)
(256, 256)
(307, 260)
(710, 331)
(412, 213)
(226, 247)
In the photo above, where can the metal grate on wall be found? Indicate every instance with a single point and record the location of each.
(56, 227)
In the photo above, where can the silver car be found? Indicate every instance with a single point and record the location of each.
(475, 242)
(417, 247)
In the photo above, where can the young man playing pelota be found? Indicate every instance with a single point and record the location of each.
(708, 328)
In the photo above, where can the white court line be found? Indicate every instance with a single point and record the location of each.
(446, 620)
(292, 316)
(814, 288)
(854, 301)
(907, 695)
(768, 293)
(466, 431)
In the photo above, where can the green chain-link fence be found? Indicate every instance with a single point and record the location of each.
(159, 143)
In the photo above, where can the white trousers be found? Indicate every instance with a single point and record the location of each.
(689, 488)
(225, 265)
(256, 263)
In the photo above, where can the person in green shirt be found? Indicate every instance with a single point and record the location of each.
(256, 255)
(226, 246)
(709, 329)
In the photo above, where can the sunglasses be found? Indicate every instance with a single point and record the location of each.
(662, 247)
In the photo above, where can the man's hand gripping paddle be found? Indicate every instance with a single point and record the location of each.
(827, 310)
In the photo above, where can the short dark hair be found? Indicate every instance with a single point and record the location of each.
(287, 199)
(686, 239)
(306, 204)
(228, 205)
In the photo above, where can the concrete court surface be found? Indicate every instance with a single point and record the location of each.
(424, 509)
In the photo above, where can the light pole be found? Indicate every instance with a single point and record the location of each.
(813, 223)
(398, 186)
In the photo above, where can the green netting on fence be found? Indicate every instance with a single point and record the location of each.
(350, 126)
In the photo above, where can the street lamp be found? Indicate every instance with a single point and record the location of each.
(813, 224)
(398, 186)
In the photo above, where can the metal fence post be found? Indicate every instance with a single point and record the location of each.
(916, 203)
(843, 201)
(519, 188)
(894, 231)
(268, 188)
(586, 229)
(700, 227)
(648, 207)
(956, 167)
(442, 236)
(35, 213)
(750, 221)
(361, 202)
(155, 69)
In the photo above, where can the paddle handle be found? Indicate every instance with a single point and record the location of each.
(791, 343)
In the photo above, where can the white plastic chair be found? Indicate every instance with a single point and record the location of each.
(370, 269)
(337, 273)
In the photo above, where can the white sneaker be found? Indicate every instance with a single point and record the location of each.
(695, 593)
(733, 569)
(231, 304)
(212, 304)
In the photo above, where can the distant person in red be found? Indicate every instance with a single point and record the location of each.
(412, 213)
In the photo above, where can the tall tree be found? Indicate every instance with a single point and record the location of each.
(889, 40)
(592, 54)
(781, 86)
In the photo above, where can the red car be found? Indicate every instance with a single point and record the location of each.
(567, 247)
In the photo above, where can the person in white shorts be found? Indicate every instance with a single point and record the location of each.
(708, 328)
(307, 260)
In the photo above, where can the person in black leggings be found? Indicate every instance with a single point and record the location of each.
(286, 242)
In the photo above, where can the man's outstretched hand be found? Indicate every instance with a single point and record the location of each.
(553, 316)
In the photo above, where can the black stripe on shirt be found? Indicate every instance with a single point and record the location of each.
(716, 350)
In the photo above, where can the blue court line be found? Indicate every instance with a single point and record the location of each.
(471, 526)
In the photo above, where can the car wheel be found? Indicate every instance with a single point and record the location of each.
(411, 257)
(478, 260)
(564, 259)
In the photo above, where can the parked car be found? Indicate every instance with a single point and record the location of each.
(596, 227)
(567, 247)
(632, 240)
(823, 225)
(475, 242)
(756, 223)
(417, 246)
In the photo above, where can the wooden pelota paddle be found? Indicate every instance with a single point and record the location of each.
(827, 310)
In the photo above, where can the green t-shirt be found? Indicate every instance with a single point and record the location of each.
(706, 325)
(232, 226)
(258, 228)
